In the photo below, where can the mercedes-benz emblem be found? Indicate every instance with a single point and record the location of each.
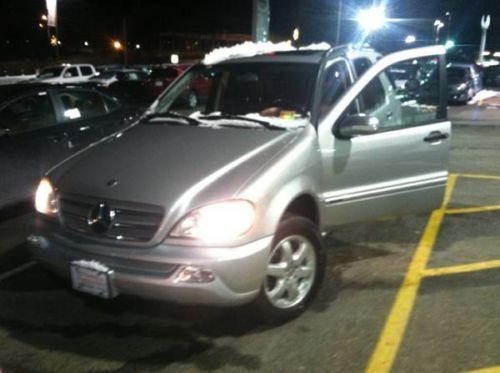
(100, 218)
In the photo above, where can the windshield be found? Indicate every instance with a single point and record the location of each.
(266, 91)
(456, 73)
(51, 72)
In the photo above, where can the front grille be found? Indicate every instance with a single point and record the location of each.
(132, 222)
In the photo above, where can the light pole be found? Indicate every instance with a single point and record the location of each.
(448, 26)
(485, 24)
(339, 20)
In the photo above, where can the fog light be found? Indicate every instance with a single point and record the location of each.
(194, 274)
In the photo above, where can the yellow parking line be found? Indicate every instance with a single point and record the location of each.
(462, 268)
(479, 176)
(473, 210)
(390, 339)
(486, 370)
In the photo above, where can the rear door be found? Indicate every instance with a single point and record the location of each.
(402, 167)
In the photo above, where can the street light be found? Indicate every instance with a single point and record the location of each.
(117, 45)
(410, 39)
(372, 19)
(137, 46)
(86, 43)
(438, 25)
(449, 44)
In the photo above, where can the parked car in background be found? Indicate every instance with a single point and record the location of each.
(66, 74)
(464, 82)
(224, 203)
(491, 76)
(162, 78)
(41, 125)
(129, 85)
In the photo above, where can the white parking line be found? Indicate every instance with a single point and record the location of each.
(17, 270)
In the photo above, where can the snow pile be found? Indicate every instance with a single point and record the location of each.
(286, 124)
(316, 47)
(483, 95)
(250, 49)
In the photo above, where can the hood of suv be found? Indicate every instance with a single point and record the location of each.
(159, 163)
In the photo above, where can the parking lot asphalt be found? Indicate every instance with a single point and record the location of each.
(413, 294)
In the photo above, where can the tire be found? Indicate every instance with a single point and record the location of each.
(295, 278)
(192, 99)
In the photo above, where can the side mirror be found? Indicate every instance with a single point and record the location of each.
(357, 125)
(67, 75)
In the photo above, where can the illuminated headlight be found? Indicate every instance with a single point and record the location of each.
(462, 87)
(45, 199)
(219, 222)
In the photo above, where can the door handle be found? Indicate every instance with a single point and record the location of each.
(84, 128)
(389, 115)
(435, 136)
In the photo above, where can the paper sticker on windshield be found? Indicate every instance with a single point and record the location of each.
(72, 113)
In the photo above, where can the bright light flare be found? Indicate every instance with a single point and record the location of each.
(45, 198)
(449, 44)
(372, 19)
(410, 39)
(117, 45)
(220, 222)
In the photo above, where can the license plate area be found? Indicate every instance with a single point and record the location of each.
(93, 278)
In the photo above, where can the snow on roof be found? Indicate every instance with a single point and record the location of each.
(250, 49)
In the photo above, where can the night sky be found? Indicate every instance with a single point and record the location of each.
(100, 20)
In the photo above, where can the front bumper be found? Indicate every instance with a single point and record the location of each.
(153, 273)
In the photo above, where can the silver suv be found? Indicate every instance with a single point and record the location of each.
(226, 203)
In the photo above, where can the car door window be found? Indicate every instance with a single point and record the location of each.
(361, 65)
(28, 114)
(335, 82)
(111, 103)
(71, 72)
(81, 104)
(86, 70)
(414, 100)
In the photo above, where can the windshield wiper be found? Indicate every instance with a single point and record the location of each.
(172, 115)
(264, 124)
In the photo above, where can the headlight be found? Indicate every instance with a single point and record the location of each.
(219, 222)
(45, 199)
(462, 87)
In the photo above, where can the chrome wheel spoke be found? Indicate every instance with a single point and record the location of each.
(302, 252)
(304, 272)
(278, 291)
(292, 290)
(286, 250)
(277, 270)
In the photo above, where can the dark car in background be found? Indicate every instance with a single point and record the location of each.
(464, 82)
(491, 76)
(129, 85)
(42, 125)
